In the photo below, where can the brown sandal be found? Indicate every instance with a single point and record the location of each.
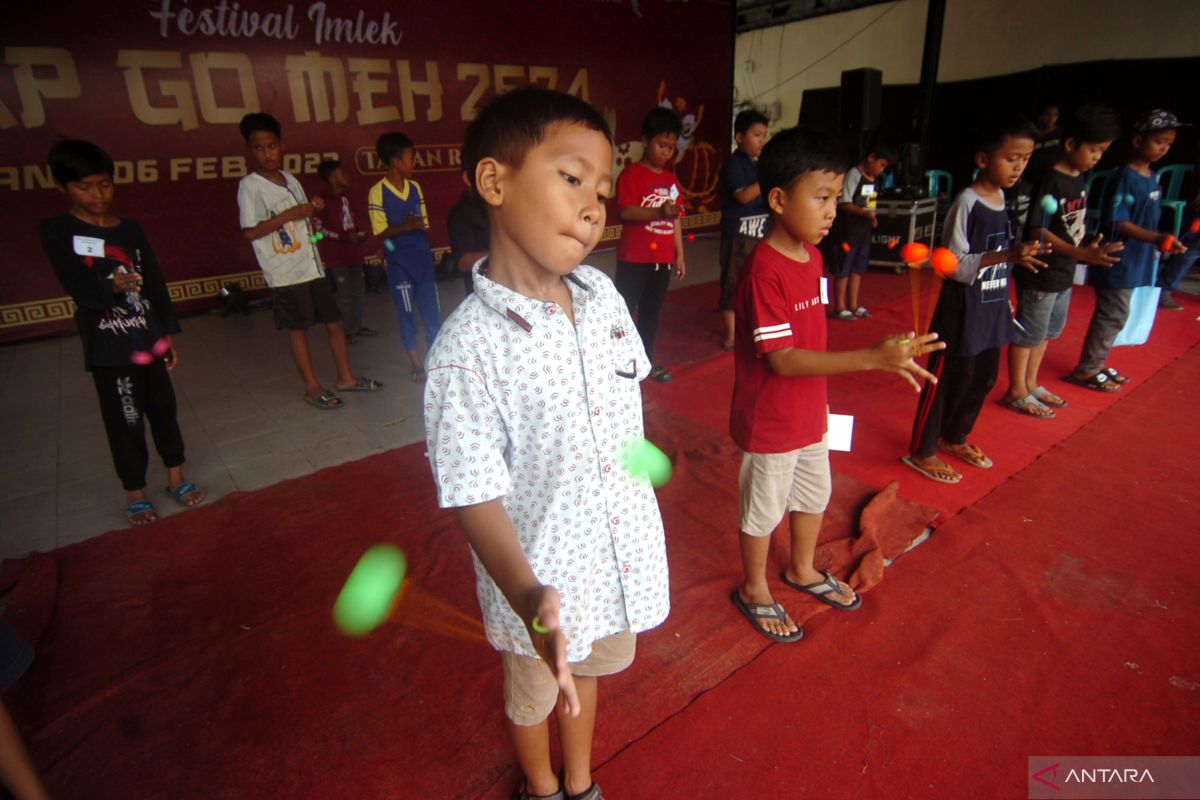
(942, 474)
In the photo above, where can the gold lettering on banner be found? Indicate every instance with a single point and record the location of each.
(183, 113)
(508, 77)
(480, 72)
(579, 86)
(431, 87)
(547, 76)
(203, 65)
(307, 78)
(366, 87)
(31, 89)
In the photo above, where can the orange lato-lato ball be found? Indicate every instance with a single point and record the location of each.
(1167, 243)
(654, 245)
(943, 262)
(845, 247)
(914, 253)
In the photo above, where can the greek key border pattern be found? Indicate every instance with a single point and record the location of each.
(57, 309)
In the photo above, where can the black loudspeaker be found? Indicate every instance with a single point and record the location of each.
(861, 100)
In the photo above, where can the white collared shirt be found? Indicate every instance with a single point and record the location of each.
(522, 405)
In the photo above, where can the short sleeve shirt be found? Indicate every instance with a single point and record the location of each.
(778, 305)
(1134, 198)
(653, 241)
(522, 405)
(390, 205)
(741, 219)
(1068, 222)
(287, 255)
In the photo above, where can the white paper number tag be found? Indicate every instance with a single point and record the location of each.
(824, 291)
(88, 246)
(841, 431)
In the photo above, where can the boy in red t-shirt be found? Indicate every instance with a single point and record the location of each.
(779, 412)
(651, 246)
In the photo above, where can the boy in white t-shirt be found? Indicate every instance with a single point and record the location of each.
(276, 217)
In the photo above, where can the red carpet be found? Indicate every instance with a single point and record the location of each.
(883, 405)
(212, 667)
(1057, 616)
(196, 657)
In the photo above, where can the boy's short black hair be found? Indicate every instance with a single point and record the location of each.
(795, 151)
(881, 149)
(1092, 124)
(747, 119)
(326, 169)
(259, 121)
(660, 119)
(514, 123)
(995, 129)
(75, 159)
(392, 145)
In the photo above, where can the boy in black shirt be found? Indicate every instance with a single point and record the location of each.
(1057, 216)
(847, 248)
(469, 230)
(125, 320)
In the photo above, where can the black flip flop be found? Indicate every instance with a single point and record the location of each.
(822, 588)
(755, 612)
(1100, 382)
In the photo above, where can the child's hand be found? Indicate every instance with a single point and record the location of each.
(1176, 247)
(895, 354)
(1026, 254)
(551, 643)
(1101, 255)
(361, 236)
(874, 219)
(318, 203)
(298, 211)
(669, 211)
(680, 267)
(172, 357)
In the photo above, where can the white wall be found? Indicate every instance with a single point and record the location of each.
(981, 38)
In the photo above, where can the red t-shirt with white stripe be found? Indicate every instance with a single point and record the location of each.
(777, 306)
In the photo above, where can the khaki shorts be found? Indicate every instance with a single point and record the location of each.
(772, 484)
(530, 690)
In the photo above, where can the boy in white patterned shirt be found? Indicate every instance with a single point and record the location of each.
(533, 391)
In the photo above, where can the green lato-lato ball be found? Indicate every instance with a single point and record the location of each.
(367, 597)
(644, 461)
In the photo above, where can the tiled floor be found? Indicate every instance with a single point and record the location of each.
(240, 409)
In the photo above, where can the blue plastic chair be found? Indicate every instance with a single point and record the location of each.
(1170, 180)
(939, 182)
(1097, 186)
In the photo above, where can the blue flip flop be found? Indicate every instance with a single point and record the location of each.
(139, 507)
(183, 490)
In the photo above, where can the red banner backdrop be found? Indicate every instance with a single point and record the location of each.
(162, 85)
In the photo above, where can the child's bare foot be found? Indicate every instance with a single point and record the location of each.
(933, 468)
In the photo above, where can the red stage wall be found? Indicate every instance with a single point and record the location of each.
(162, 85)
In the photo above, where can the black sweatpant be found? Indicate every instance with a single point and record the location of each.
(949, 408)
(644, 287)
(129, 396)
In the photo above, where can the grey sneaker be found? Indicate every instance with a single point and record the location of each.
(861, 312)
(845, 314)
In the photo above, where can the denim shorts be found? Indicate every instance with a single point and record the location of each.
(1043, 315)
